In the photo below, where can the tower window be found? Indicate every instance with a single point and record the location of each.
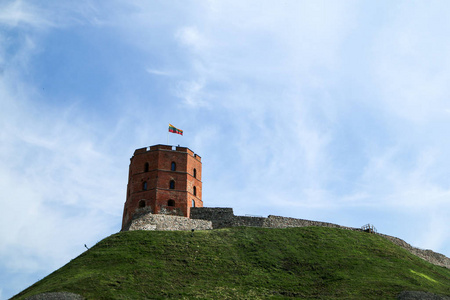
(146, 167)
(141, 203)
(144, 186)
(195, 173)
(195, 191)
(172, 184)
(171, 202)
(193, 203)
(173, 166)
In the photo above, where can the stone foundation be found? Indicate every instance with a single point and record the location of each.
(150, 221)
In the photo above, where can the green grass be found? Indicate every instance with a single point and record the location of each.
(245, 263)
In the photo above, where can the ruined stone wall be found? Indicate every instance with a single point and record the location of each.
(223, 217)
(149, 221)
(284, 222)
(428, 255)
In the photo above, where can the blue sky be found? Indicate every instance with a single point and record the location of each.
(336, 111)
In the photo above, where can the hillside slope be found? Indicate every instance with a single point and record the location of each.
(245, 262)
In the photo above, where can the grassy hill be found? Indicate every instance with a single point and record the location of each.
(245, 263)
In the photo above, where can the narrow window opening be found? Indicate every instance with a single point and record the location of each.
(193, 203)
(141, 203)
(144, 186)
(146, 167)
(195, 173)
(173, 166)
(171, 202)
(195, 191)
(172, 185)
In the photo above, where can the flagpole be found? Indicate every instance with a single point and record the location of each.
(167, 137)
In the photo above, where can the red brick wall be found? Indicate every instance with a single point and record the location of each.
(158, 177)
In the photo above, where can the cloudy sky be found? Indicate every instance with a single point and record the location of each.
(336, 111)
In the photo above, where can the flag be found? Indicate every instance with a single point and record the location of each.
(173, 129)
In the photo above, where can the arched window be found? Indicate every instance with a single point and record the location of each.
(171, 202)
(172, 184)
(144, 185)
(195, 173)
(173, 166)
(146, 167)
(193, 203)
(195, 191)
(141, 203)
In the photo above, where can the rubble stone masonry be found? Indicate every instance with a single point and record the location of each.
(145, 220)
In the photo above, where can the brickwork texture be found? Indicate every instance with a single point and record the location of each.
(165, 179)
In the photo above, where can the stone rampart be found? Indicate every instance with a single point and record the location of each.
(149, 221)
(223, 217)
(284, 222)
(428, 255)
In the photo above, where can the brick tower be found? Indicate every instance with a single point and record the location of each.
(164, 180)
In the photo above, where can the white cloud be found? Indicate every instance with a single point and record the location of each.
(192, 92)
(436, 232)
(54, 200)
(50, 169)
(60, 186)
(159, 72)
(22, 13)
(191, 37)
(411, 62)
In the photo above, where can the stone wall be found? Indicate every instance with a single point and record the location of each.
(149, 221)
(284, 222)
(223, 217)
(428, 255)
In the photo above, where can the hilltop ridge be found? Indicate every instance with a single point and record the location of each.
(245, 262)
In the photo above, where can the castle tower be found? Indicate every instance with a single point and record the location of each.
(164, 180)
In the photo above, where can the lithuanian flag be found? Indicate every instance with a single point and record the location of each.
(173, 129)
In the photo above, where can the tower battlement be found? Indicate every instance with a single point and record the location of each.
(167, 148)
